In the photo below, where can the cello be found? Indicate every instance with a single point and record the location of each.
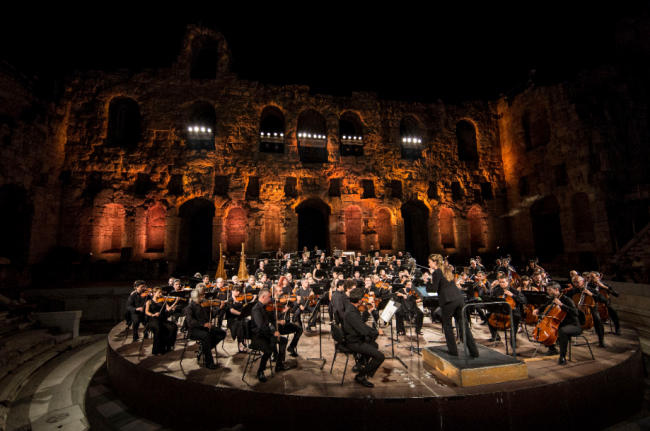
(502, 321)
(546, 330)
(585, 303)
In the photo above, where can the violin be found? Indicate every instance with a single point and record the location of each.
(244, 297)
(313, 299)
(169, 299)
(211, 303)
(147, 292)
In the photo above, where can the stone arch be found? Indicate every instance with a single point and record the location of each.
(384, 228)
(235, 229)
(547, 228)
(195, 234)
(111, 234)
(447, 228)
(272, 130)
(416, 229)
(411, 137)
(353, 227)
(313, 224)
(312, 137)
(201, 126)
(272, 226)
(478, 228)
(209, 55)
(351, 134)
(123, 122)
(467, 144)
(16, 212)
(583, 222)
(156, 227)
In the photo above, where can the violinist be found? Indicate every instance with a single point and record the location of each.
(259, 270)
(199, 326)
(360, 338)
(171, 281)
(290, 280)
(595, 280)
(473, 268)
(266, 337)
(568, 327)
(451, 302)
(164, 331)
(480, 286)
(409, 300)
(234, 308)
(235, 281)
(305, 252)
(526, 285)
(283, 325)
(579, 286)
(206, 280)
(498, 267)
(305, 294)
(135, 306)
(374, 292)
(223, 296)
(285, 269)
(339, 299)
(537, 282)
(264, 281)
(251, 285)
(503, 289)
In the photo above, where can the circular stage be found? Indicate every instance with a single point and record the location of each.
(584, 394)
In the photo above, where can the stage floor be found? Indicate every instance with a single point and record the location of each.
(392, 380)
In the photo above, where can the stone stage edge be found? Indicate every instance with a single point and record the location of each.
(585, 394)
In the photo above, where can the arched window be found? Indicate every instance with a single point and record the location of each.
(312, 137)
(477, 228)
(272, 130)
(447, 236)
(112, 228)
(123, 122)
(235, 229)
(271, 229)
(466, 136)
(353, 228)
(384, 230)
(537, 130)
(201, 125)
(583, 221)
(351, 134)
(156, 222)
(411, 137)
(205, 58)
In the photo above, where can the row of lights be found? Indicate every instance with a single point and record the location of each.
(412, 140)
(352, 137)
(197, 129)
(268, 134)
(310, 136)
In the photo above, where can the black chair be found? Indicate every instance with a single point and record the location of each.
(254, 352)
(587, 341)
(129, 323)
(339, 347)
(187, 339)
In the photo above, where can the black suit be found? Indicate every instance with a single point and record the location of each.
(136, 301)
(195, 318)
(451, 302)
(264, 338)
(569, 326)
(360, 338)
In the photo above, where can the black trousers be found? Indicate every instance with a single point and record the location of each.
(270, 346)
(164, 335)
(291, 328)
(374, 357)
(375, 317)
(208, 339)
(613, 314)
(297, 312)
(455, 309)
(598, 324)
(236, 329)
(564, 332)
(399, 319)
(516, 318)
(137, 319)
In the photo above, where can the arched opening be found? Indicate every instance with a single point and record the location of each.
(350, 134)
(123, 122)
(583, 221)
(201, 125)
(205, 52)
(467, 146)
(235, 229)
(547, 228)
(272, 130)
(536, 128)
(416, 229)
(353, 228)
(477, 229)
(384, 230)
(271, 229)
(15, 223)
(195, 235)
(156, 223)
(410, 132)
(312, 137)
(446, 223)
(313, 224)
(112, 228)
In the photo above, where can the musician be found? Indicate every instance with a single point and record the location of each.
(498, 266)
(171, 281)
(375, 267)
(338, 266)
(371, 252)
(259, 270)
(317, 268)
(206, 279)
(526, 285)
(568, 327)
(479, 264)
(279, 255)
(234, 308)
(305, 253)
(265, 282)
(135, 306)
(481, 287)
(595, 280)
(357, 278)
(286, 327)
(305, 260)
(451, 302)
(360, 338)
(200, 328)
(338, 303)
(266, 337)
(285, 269)
(538, 282)
(303, 305)
(580, 286)
(382, 276)
(235, 281)
(164, 331)
(290, 280)
(409, 308)
(373, 291)
(505, 288)
(473, 268)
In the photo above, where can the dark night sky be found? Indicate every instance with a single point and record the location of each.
(402, 52)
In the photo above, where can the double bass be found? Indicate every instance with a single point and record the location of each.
(546, 330)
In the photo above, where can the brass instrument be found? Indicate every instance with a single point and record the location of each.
(243, 272)
(221, 272)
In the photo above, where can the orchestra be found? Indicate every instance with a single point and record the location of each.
(355, 289)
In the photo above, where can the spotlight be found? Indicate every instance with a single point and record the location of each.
(189, 128)
(203, 129)
(403, 139)
(275, 134)
(419, 141)
(343, 136)
(196, 129)
(309, 135)
(268, 134)
(209, 130)
(281, 134)
(262, 134)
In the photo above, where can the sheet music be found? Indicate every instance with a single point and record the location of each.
(388, 312)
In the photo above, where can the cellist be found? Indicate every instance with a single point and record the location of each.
(595, 280)
(579, 286)
(504, 288)
(568, 327)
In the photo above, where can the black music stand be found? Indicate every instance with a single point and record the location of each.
(495, 304)
(392, 340)
(318, 290)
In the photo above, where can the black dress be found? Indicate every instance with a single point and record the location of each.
(164, 332)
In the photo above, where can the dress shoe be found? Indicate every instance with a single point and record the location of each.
(362, 380)
(281, 367)
(261, 377)
(493, 339)
(292, 352)
(211, 367)
(562, 361)
(552, 352)
(602, 344)
(618, 332)
(135, 340)
(356, 368)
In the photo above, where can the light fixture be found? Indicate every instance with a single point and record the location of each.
(196, 129)
(262, 134)
(281, 134)
(189, 128)
(203, 129)
(344, 137)
(309, 135)
(268, 134)
(419, 141)
(275, 134)
(403, 139)
(209, 130)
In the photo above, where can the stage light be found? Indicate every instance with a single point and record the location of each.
(309, 135)
(403, 139)
(281, 135)
(203, 129)
(262, 134)
(268, 134)
(209, 130)
(189, 128)
(196, 129)
(275, 134)
(344, 137)
(419, 141)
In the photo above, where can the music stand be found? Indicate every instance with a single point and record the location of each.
(388, 313)
(318, 290)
